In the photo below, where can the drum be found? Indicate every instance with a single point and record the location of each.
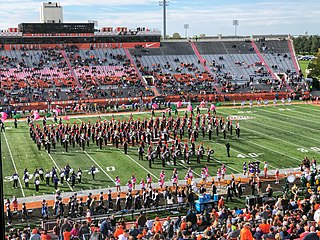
(291, 178)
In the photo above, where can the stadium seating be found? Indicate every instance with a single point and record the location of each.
(176, 68)
(277, 55)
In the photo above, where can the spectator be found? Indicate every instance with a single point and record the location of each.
(75, 231)
(65, 226)
(245, 233)
(84, 229)
(124, 235)
(45, 235)
(66, 234)
(35, 235)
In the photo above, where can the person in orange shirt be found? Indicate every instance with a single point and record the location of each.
(45, 236)
(144, 232)
(221, 203)
(264, 226)
(245, 233)
(15, 203)
(118, 232)
(157, 227)
(66, 234)
(183, 225)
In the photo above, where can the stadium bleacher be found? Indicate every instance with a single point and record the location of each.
(176, 68)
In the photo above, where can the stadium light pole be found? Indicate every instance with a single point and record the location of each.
(2, 216)
(186, 28)
(235, 23)
(164, 4)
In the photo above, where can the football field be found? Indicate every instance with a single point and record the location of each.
(280, 135)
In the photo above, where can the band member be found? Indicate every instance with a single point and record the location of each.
(209, 152)
(238, 129)
(65, 142)
(79, 175)
(47, 178)
(141, 151)
(228, 149)
(37, 184)
(73, 179)
(93, 172)
(15, 178)
(244, 169)
(229, 193)
(125, 147)
(26, 180)
(48, 145)
(239, 189)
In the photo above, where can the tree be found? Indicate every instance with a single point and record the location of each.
(315, 67)
(315, 44)
(176, 36)
(307, 44)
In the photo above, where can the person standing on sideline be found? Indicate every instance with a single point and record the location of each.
(265, 169)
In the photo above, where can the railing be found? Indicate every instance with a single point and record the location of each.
(48, 225)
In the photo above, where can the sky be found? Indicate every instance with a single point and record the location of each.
(209, 17)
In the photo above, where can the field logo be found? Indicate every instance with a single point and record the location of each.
(110, 169)
(241, 117)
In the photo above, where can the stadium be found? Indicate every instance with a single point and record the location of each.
(125, 133)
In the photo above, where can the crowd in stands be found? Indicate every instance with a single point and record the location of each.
(37, 75)
(287, 218)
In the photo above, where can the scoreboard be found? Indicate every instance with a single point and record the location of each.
(54, 28)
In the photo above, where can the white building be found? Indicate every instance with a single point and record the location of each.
(51, 12)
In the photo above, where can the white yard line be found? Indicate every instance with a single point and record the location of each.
(96, 162)
(100, 167)
(315, 108)
(301, 112)
(276, 137)
(275, 151)
(277, 113)
(14, 164)
(257, 158)
(213, 158)
(55, 163)
(268, 136)
(139, 165)
(300, 135)
(128, 157)
(279, 120)
(226, 164)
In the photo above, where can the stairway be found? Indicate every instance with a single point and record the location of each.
(133, 64)
(293, 56)
(203, 62)
(73, 73)
(264, 63)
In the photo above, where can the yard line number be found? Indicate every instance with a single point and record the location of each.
(249, 155)
(305, 150)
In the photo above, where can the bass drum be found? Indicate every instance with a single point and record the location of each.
(194, 187)
(291, 178)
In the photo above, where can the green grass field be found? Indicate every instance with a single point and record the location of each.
(304, 66)
(280, 135)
